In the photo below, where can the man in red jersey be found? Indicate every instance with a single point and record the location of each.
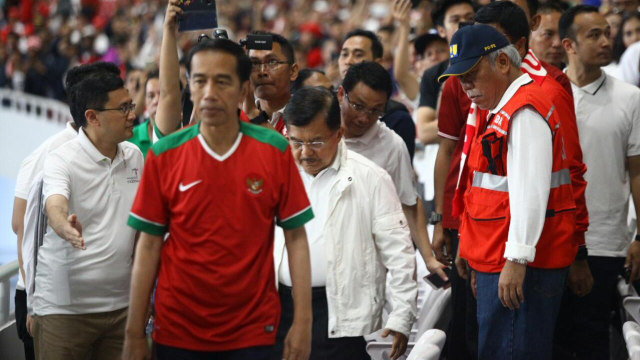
(217, 188)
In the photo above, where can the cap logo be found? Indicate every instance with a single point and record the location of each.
(489, 47)
(453, 50)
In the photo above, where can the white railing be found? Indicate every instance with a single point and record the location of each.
(37, 106)
(26, 121)
(7, 272)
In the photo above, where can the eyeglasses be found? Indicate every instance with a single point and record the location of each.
(359, 108)
(314, 145)
(269, 65)
(125, 109)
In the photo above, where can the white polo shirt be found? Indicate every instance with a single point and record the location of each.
(608, 115)
(32, 165)
(100, 193)
(387, 149)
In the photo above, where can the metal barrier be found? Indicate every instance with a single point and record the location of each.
(7, 271)
(44, 108)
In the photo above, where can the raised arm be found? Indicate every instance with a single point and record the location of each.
(401, 62)
(168, 116)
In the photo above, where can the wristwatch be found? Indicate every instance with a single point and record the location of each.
(435, 218)
(518, 261)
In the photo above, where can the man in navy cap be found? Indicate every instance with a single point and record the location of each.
(519, 214)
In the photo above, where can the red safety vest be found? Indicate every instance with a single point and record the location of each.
(485, 221)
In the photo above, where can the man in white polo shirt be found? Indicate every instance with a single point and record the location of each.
(358, 235)
(30, 170)
(608, 118)
(84, 264)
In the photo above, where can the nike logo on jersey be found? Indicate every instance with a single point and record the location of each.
(184, 188)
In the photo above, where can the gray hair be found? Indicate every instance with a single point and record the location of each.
(512, 53)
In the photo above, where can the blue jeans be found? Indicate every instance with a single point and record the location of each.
(524, 333)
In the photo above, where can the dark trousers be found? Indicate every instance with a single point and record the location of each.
(462, 334)
(582, 330)
(322, 347)
(21, 324)
(252, 353)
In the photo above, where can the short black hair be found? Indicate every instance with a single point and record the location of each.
(153, 74)
(369, 73)
(309, 101)
(303, 75)
(285, 45)
(243, 64)
(552, 6)
(422, 42)
(440, 9)
(532, 5)
(78, 73)
(509, 16)
(376, 45)
(565, 24)
(89, 87)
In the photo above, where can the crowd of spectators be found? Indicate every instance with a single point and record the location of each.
(40, 40)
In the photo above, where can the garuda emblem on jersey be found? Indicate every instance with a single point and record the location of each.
(254, 184)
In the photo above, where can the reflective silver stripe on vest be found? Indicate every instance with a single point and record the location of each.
(559, 178)
(499, 183)
(490, 181)
(550, 112)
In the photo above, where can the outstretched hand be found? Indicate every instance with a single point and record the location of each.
(72, 232)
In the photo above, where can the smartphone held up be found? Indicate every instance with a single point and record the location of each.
(198, 15)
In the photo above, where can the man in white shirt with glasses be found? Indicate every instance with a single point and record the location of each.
(358, 235)
(84, 264)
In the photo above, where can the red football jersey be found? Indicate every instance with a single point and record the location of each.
(216, 285)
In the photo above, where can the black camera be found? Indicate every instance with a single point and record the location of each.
(252, 42)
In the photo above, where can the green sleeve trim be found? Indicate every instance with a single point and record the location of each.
(175, 139)
(145, 226)
(159, 133)
(297, 220)
(264, 135)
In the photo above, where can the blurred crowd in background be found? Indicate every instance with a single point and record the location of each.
(41, 39)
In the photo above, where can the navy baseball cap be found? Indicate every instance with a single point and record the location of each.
(469, 44)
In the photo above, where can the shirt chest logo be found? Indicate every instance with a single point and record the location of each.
(254, 184)
(133, 179)
(182, 187)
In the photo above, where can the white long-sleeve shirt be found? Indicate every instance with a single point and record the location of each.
(529, 167)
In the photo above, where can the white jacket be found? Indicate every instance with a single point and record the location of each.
(366, 235)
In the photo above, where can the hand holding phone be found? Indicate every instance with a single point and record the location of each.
(197, 15)
(435, 281)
